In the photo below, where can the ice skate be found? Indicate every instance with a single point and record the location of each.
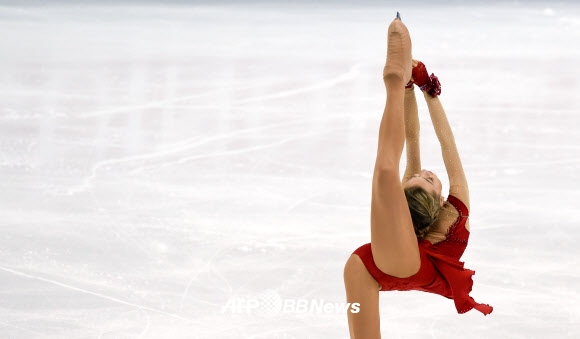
(399, 62)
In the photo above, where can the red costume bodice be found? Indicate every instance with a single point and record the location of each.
(441, 271)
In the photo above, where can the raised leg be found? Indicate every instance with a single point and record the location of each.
(394, 243)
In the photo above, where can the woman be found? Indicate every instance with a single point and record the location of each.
(417, 238)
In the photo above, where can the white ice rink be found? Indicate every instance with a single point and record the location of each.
(158, 161)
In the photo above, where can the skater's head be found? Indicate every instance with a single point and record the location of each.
(423, 193)
(428, 181)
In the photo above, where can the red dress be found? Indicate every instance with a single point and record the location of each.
(441, 271)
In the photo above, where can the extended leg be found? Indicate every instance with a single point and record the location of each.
(393, 239)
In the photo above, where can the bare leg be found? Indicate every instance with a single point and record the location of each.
(362, 288)
(393, 239)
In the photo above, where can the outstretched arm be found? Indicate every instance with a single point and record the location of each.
(412, 135)
(431, 89)
(457, 180)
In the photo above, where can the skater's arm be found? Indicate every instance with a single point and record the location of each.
(457, 180)
(411, 135)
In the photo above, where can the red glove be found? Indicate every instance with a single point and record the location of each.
(425, 82)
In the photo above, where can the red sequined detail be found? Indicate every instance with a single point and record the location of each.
(434, 86)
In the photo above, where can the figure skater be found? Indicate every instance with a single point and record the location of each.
(417, 238)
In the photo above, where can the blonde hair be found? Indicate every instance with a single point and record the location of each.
(424, 209)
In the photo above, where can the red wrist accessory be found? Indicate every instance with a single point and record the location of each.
(435, 87)
(427, 83)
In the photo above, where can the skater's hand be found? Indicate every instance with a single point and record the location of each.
(427, 84)
(414, 64)
(420, 75)
(409, 86)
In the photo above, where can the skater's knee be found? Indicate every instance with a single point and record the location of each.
(352, 269)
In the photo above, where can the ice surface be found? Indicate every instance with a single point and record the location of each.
(156, 161)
